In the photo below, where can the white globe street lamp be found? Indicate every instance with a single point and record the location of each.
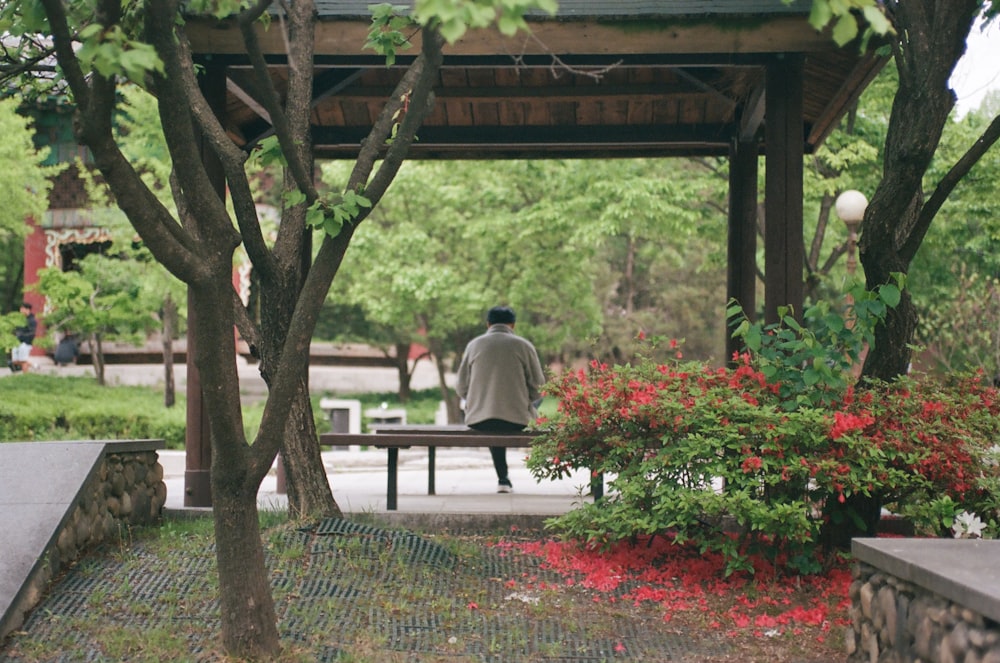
(851, 206)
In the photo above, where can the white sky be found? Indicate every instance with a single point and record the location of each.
(978, 71)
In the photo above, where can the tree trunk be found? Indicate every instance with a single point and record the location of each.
(931, 40)
(306, 482)
(97, 357)
(448, 395)
(629, 293)
(199, 251)
(246, 607)
(249, 624)
(858, 515)
(403, 370)
(169, 318)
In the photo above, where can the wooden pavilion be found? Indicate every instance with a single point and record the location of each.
(602, 78)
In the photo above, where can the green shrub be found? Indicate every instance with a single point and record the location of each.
(45, 407)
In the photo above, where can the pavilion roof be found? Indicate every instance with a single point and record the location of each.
(601, 78)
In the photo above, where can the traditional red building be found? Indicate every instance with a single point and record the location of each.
(67, 231)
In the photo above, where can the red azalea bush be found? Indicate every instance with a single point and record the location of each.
(945, 433)
(715, 456)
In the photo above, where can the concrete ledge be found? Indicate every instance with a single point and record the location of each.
(965, 571)
(59, 498)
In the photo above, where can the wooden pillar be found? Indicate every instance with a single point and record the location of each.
(741, 278)
(197, 440)
(784, 250)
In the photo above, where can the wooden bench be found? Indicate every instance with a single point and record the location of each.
(394, 437)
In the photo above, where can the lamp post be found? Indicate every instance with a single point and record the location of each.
(851, 206)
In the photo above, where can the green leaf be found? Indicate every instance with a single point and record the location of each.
(734, 310)
(315, 217)
(333, 226)
(452, 31)
(820, 15)
(293, 197)
(269, 152)
(91, 31)
(890, 294)
(877, 20)
(845, 30)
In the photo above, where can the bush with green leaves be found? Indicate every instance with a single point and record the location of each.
(756, 458)
(44, 407)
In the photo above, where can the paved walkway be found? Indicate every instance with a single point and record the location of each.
(464, 478)
(465, 483)
(322, 379)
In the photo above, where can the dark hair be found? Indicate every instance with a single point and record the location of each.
(501, 315)
(26, 305)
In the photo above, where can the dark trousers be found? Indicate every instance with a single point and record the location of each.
(499, 454)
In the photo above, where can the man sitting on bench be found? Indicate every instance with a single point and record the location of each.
(500, 378)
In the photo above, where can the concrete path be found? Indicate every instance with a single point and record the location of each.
(465, 483)
(465, 480)
(322, 379)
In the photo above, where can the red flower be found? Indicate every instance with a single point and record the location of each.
(845, 422)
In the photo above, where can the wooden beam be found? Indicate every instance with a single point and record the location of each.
(197, 438)
(651, 134)
(542, 142)
(741, 281)
(237, 91)
(752, 116)
(846, 96)
(784, 250)
(561, 93)
(583, 36)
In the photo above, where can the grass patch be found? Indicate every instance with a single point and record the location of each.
(373, 595)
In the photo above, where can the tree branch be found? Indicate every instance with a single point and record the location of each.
(182, 136)
(947, 185)
(415, 85)
(416, 93)
(290, 119)
(249, 331)
(55, 10)
(269, 98)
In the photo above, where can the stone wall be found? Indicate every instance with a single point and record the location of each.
(126, 489)
(899, 620)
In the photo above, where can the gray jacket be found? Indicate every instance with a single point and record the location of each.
(500, 377)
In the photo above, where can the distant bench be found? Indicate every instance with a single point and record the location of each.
(394, 437)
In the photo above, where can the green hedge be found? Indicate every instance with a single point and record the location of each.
(43, 407)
